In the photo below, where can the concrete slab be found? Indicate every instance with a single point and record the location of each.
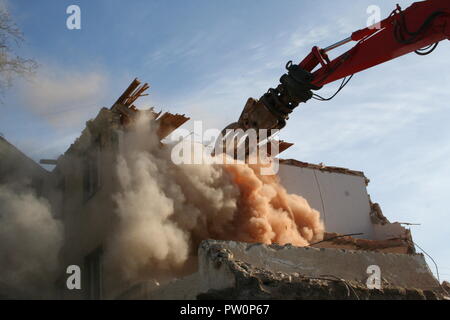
(397, 270)
(234, 270)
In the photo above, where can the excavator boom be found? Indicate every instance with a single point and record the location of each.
(418, 28)
(421, 25)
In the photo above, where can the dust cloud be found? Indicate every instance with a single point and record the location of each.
(30, 240)
(164, 210)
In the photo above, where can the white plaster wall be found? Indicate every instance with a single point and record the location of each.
(341, 199)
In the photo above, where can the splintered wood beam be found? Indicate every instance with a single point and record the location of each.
(132, 87)
(139, 92)
(124, 105)
(168, 122)
(132, 93)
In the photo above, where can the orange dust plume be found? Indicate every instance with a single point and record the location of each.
(164, 210)
(266, 213)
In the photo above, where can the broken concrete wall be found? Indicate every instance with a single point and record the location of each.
(401, 245)
(231, 270)
(340, 195)
(398, 270)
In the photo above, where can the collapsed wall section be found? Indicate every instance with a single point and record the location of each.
(233, 270)
(340, 195)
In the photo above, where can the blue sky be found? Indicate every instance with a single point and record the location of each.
(206, 57)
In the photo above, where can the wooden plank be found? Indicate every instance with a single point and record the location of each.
(169, 122)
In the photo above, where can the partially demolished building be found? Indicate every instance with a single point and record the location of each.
(357, 234)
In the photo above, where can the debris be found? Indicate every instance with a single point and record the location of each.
(230, 270)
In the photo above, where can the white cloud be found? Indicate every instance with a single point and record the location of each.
(4, 4)
(65, 97)
(302, 39)
(36, 149)
(176, 49)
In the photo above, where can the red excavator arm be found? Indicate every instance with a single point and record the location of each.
(418, 28)
(421, 25)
